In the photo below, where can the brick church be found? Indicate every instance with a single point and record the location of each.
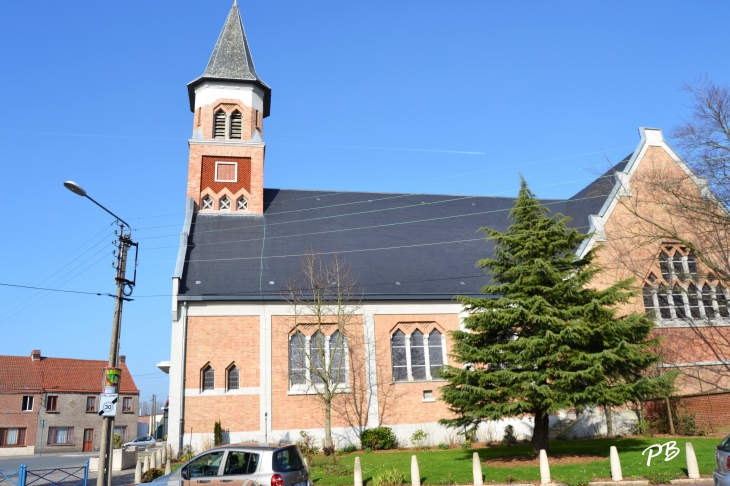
(236, 358)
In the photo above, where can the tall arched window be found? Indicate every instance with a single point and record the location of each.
(317, 358)
(694, 304)
(721, 301)
(648, 295)
(418, 356)
(208, 378)
(297, 359)
(664, 308)
(678, 299)
(707, 301)
(435, 352)
(232, 380)
(235, 133)
(207, 202)
(338, 358)
(398, 352)
(219, 124)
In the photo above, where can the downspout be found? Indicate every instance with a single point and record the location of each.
(182, 374)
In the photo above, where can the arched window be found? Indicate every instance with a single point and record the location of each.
(707, 301)
(219, 124)
(692, 264)
(435, 352)
(338, 358)
(224, 204)
(664, 309)
(242, 204)
(721, 301)
(648, 295)
(232, 380)
(317, 358)
(207, 202)
(235, 125)
(418, 356)
(208, 378)
(398, 352)
(664, 266)
(678, 300)
(297, 359)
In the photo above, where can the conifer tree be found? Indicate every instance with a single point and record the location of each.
(543, 339)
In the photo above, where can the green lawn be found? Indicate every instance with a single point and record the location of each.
(454, 466)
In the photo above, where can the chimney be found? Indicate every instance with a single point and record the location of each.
(35, 355)
(122, 359)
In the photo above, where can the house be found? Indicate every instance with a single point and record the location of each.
(235, 356)
(52, 403)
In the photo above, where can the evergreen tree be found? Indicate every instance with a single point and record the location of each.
(543, 339)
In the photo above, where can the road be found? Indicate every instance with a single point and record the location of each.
(55, 461)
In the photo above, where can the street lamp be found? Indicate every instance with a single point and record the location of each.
(104, 477)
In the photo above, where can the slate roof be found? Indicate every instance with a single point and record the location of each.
(58, 374)
(231, 59)
(399, 246)
(590, 199)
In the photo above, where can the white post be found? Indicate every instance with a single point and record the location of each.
(415, 472)
(616, 473)
(146, 466)
(693, 471)
(544, 468)
(358, 472)
(153, 462)
(164, 455)
(476, 469)
(159, 458)
(168, 467)
(138, 473)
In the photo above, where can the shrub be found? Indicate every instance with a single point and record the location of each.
(368, 450)
(466, 444)
(443, 446)
(575, 481)
(217, 434)
(348, 449)
(379, 438)
(419, 438)
(152, 474)
(509, 437)
(328, 450)
(660, 477)
(390, 477)
(306, 444)
(117, 441)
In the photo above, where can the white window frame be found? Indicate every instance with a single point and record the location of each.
(28, 399)
(309, 388)
(235, 171)
(427, 353)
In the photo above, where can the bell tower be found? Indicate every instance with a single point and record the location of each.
(229, 103)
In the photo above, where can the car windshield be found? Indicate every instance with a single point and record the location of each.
(725, 444)
(288, 459)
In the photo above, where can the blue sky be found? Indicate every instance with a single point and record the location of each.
(372, 96)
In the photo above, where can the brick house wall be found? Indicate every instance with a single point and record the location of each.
(13, 416)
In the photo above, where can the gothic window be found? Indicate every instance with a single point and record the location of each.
(678, 301)
(694, 304)
(207, 202)
(707, 301)
(224, 203)
(664, 267)
(242, 204)
(435, 352)
(232, 380)
(692, 265)
(664, 309)
(416, 356)
(297, 359)
(398, 351)
(648, 295)
(208, 378)
(338, 357)
(219, 124)
(235, 125)
(721, 301)
(317, 358)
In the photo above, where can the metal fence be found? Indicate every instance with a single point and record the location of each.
(65, 476)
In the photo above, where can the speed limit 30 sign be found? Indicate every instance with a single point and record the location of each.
(108, 404)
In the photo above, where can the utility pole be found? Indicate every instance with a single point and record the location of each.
(104, 477)
(154, 416)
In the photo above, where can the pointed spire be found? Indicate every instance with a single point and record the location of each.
(231, 56)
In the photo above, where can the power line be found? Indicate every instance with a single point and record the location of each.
(53, 290)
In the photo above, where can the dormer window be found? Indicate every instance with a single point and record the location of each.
(224, 204)
(242, 204)
(219, 124)
(236, 120)
(207, 202)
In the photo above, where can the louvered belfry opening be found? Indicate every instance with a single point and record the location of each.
(236, 119)
(219, 124)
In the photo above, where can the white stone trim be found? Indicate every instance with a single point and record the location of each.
(695, 363)
(235, 171)
(209, 92)
(220, 141)
(247, 390)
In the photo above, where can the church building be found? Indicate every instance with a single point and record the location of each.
(236, 359)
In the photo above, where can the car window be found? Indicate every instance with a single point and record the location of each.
(287, 459)
(725, 444)
(240, 462)
(205, 465)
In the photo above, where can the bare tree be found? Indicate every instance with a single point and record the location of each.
(144, 408)
(324, 302)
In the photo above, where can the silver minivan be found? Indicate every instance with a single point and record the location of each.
(238, 464)
(721, 475)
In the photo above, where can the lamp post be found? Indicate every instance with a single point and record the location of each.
(104, 475)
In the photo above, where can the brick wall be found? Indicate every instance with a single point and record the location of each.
(12, 416)
(237, 413)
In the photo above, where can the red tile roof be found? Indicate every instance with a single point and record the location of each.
(59, 374)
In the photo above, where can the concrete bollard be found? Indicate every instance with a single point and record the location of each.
(138, 473)
(616, 473)
(153, 462)
(146, 465)
(164, 455)
(358, 472)
(159, 457)
(169, 451)
(544, 468)
(306, 464)
(693, 471)
(168, 467)
(415, 472)
(476, 470)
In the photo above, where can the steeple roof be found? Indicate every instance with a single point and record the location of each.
(231, 59)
